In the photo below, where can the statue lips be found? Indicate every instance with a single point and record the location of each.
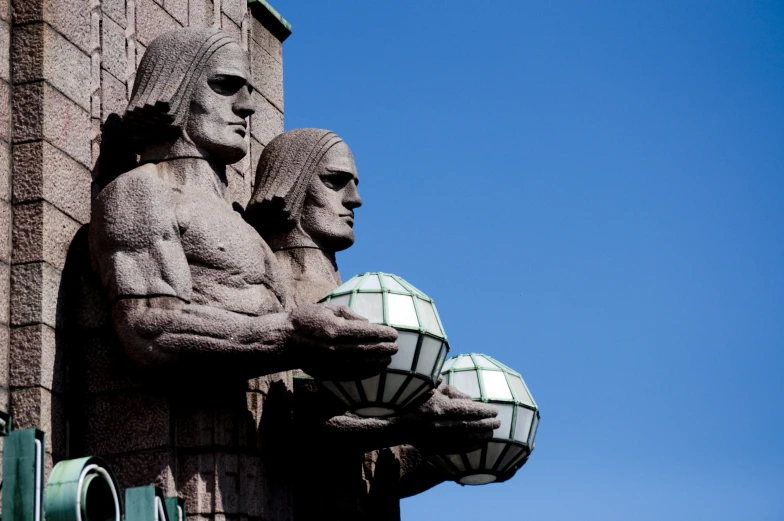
(242, 126)
(348, 217)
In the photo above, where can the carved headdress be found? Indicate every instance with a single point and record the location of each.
(285, 170)
(165, 80)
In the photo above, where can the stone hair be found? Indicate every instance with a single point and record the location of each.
(165, 80)
(285, 170)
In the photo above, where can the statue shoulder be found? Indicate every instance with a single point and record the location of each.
(142, 185)
(134, 208)
(135, 238)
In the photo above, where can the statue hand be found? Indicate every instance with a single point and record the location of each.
(335, 343)
(451, 422)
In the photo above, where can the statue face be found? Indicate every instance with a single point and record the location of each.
(220, 106)
(328, 212)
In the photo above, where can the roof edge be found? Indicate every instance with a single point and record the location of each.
(271, 19)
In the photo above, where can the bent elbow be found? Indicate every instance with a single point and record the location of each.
(142, 332)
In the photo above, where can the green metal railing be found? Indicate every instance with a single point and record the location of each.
(82, 489)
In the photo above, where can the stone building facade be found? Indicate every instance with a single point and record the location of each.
(65, 66)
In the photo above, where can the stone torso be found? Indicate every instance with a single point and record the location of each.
(204, 442)
(311, 275)
(231, 267)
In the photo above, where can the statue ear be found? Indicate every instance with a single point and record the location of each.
(117, 154)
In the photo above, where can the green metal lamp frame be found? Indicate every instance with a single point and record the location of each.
(428, 383)
(497, 470)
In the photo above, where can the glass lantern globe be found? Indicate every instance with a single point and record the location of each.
(487, 380)
(387, 299)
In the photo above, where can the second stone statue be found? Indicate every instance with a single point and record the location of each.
(304, 207)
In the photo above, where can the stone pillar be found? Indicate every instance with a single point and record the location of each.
(72, 63)
(51, 75)
(5, 200)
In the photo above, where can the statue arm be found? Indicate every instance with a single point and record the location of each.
(447, 422)
(163, 331)
(135, 243)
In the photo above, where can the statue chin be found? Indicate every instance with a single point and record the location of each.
(228, 153)
(339, 242)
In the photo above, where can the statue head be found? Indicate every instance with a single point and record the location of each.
(192, 89)
(306, 191)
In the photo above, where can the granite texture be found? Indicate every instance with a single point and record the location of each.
(304, 206)
(195, 295)
(74, 64)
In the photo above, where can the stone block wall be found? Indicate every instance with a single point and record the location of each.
(65, 65)
(5, 203)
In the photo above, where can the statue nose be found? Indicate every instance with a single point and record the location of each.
(243, 107)
(352, 199)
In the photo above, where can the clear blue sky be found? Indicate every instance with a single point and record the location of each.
(593, 193)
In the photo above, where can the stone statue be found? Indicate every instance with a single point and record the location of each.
(303, 206)
(198, 303)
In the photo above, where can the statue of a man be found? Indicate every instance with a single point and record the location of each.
(303, 206)
(197, 299)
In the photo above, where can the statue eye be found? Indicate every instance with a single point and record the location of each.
(336, 180)
(226, 85)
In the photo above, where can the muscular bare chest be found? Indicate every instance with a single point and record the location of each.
(230, 264)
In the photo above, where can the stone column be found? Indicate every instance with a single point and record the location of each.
(51, 47)
(5, 199)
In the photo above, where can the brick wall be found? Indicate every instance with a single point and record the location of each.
(65, 65)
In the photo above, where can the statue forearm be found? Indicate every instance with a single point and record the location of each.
(162, 331)
(360, 435)
(326, 340)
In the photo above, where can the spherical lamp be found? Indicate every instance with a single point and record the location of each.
(387, 299)
(488, 380)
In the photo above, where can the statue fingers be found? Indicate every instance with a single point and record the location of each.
(346, 312)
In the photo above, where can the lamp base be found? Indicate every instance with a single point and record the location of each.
(477, 479)
(374, 412)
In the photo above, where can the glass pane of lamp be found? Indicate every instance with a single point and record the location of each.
(428, 354)
(439, 363)
(474, 458)
(332, 387)
(406, 344)
(440, 463)
(401, 310)
(393, 285)
(370, 386)
(428, 316)
(421, 391)
(484, 363)
(532, 437)
(495, 385)
(348, 285)
(341, 300)
(448, 364)
(513, 454)
(464, 362)
(457, 461)
(351, 389)
(369, 305)
(505, 415)
(494, 449)
(371, 282)
(467, 382)
(413, 385)
(519, 389)
(392, 385)
(523, 424)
